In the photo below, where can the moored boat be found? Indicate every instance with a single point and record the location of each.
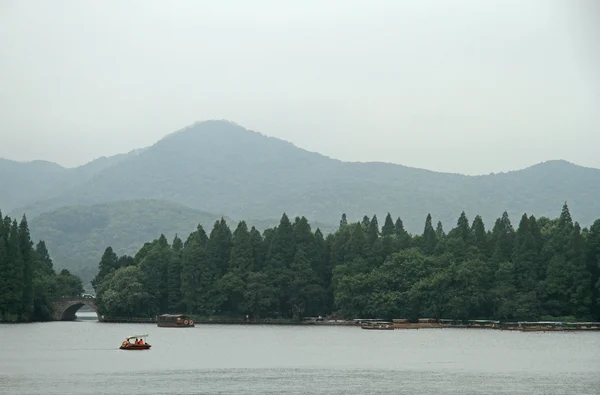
(378, 325)
(174, 321)
(137, 345)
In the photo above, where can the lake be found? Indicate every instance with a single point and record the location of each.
(82, 357)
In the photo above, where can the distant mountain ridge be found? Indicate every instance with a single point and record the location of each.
(217, 168)
(220, 167)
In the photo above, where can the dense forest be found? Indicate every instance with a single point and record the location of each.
(28, 281)
(542, 269)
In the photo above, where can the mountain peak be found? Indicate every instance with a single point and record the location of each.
(209, 127)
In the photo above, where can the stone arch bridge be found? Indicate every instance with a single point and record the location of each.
(64, 309)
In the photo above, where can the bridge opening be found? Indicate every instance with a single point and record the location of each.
(69, 309)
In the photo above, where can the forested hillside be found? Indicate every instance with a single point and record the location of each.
(539, 269)
(28, 282)
(78, 235)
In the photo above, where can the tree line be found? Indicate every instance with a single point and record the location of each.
(542, 269)
(28, 281)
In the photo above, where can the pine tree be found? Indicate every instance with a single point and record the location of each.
(403, 239)
(192, 269)
(526, 272)
(283, 247)
(108, 264)
(279, 261)
(343, 221)
(5, 273)
(503, 236)
(241, 260)
(47, 266)
(356, 247)
(174, 298)
(479, 235)
(439, 231)
(429, 237)
(155, 268)
(258, 250)
(14, 280)
(388, 227)
(26, 251)
(218, 248)
(565, 222)
(177, 245)
(593, 265)
(321, 264)
(581, 284)
(462, 228)
(372, 231)
(524, 256)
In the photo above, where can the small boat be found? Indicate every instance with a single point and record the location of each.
(128, 345)
(378, 325)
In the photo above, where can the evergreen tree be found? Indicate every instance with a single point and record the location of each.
(503, 236)
(403, 239)
(156, 273)
(479, 235)
(429, 237)
(279, 260)
(47, 266)
(174, 298)
(372, 231)
(5, 276)
(356, 247)
(26, 252)
(565, 222)
(258, 250)
(463, 229)
(366, 222)
(439, 231)
(218, 248)
(343, 221)
(526, 272)
(388, 227)
(241, 260)
(193, 268)
(14, 280)
(581, 286)
(593, 265)
(282, 249)
(28, 282)
(108, 264)
(177, 245)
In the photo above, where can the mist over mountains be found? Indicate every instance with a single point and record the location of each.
(217, 168)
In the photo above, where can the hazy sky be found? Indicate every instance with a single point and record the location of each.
(459, 86)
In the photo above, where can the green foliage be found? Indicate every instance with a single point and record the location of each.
(79, 235)
(544, 268)
(28, 283)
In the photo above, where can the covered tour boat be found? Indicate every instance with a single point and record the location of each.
(174, 321)
(139, 343)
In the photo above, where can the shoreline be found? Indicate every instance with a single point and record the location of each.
(502, 326)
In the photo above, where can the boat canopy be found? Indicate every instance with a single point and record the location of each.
(136, 336)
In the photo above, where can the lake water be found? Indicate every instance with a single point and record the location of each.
(82, 357)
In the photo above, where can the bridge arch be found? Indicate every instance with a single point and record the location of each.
(65, 309)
